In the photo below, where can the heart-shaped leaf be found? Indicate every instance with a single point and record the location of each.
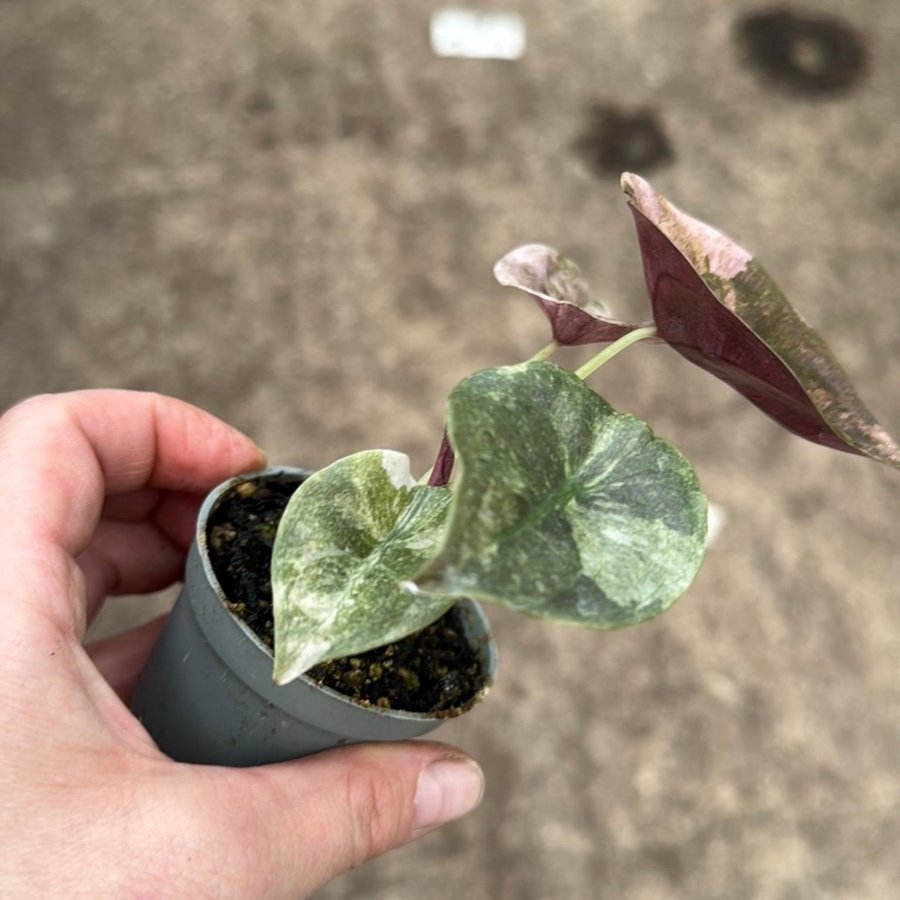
(564, 508)
(558, 288)
(720, 309)
(350, 540)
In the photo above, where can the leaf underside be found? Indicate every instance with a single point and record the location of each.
(720, 309)
(582, 515)
(559, 290)
(350, 540)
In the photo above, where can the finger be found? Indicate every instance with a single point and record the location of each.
(120, 658)
(320, 816)
(175, 513)
(136, 557)
(134, 506)
(176, 517)
(70, 450)
(127, 558)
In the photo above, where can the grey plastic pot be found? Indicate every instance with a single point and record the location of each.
(206, 694)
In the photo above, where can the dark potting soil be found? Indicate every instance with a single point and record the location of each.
(434, 671)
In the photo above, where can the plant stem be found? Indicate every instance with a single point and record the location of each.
(545, 352)
(605, 355)
(440, 472)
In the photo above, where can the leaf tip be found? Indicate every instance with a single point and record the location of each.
(631, 183)
(626, 182)
(638, 191)
(294, 665)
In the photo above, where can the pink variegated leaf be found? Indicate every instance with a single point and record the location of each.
(717, 306)
(558, 288)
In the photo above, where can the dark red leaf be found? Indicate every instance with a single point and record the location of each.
(558, 288)
(720, 309)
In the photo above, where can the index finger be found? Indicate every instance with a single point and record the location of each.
(69, 451)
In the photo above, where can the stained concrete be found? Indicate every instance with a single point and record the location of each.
(288, 213)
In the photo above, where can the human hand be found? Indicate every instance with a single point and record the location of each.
(99, 494)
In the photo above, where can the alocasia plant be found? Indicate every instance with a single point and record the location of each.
(559, 507)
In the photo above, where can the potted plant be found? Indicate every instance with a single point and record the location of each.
(542, 498)
(206, 694)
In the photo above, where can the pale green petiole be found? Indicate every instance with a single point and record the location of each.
(605, 355)
(545, 352)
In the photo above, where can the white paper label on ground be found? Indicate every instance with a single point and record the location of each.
(468, 34)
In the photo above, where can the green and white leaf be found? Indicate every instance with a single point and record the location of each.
(351, 539)
(564, 508)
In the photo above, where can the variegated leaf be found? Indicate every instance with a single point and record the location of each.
(564, 508)
(720, 309)
(559, 290)
(350, 540)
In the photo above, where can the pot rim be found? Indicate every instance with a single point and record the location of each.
(261, 659)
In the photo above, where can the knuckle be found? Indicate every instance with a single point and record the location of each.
(379, 818)
(32, 407)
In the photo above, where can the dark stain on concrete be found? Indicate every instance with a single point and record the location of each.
(298, 100)
(813, 56)
(617, 140)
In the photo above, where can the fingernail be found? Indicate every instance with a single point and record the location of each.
(447, 789)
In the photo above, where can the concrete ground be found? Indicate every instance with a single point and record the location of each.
(287, 213)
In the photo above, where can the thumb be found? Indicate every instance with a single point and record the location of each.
(331, 812)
